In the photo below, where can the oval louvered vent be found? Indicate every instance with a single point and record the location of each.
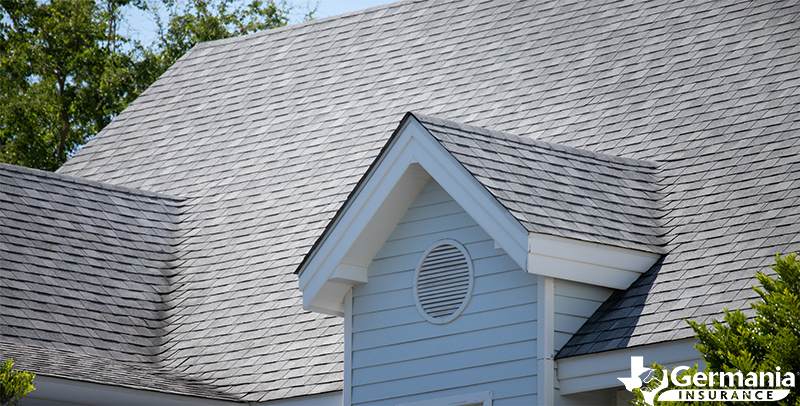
(443, 282)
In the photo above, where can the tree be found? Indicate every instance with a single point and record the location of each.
(768, 341)
(63, 77)
(205, 20)
(66, 70)
(14, 384)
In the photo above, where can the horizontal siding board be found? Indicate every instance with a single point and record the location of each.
(400, 316)
(582, 290)
(395, 348)
(437, 346)
(384, 301)
(422, 330)
(443, 381)
(401, 262)
(430, 212)
(409, 314)
(504, 279)
(568, 324)
(483, 249)
(515, 401)
(498, 264)
(379, 284)
(513, 387)
(431, 194)
(466, 235)
(574, 307)
(452, 221)
(454, 361)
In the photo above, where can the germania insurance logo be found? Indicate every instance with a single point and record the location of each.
(749, 387)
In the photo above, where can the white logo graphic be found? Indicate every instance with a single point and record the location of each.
(636, 381)
(759, 387)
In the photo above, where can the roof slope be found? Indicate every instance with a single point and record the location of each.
(731, 206)
(268, 133)
(85, 267)
(557, 190)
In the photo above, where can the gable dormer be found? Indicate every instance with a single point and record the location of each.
(556, 211)
(564, 228)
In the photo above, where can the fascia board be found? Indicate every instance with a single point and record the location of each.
(473, 197)
(585, 262)
(320, 270)
(590, 372)
(59, 391)
(354, 218)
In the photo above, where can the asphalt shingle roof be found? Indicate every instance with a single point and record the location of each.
(85, 267)
(557, 190)
(259, 139)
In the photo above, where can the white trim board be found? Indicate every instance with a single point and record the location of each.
(586, 262)
(51, 390)
(545, 340)
(585, 373)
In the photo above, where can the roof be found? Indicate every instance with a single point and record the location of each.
(262, 137)
(731, 204)
(85, 269)
(557, 190)
(95, 275)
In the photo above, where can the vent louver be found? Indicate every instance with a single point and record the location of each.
(443, 282)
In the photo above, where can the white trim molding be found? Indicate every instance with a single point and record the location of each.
(590, 372)
(545, 340)
(347, 393)
(586, 262)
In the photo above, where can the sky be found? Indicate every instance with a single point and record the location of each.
(142, 26)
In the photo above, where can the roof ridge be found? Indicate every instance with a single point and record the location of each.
(302, 25)
(532, 141)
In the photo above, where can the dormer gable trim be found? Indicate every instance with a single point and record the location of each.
(412, 156)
